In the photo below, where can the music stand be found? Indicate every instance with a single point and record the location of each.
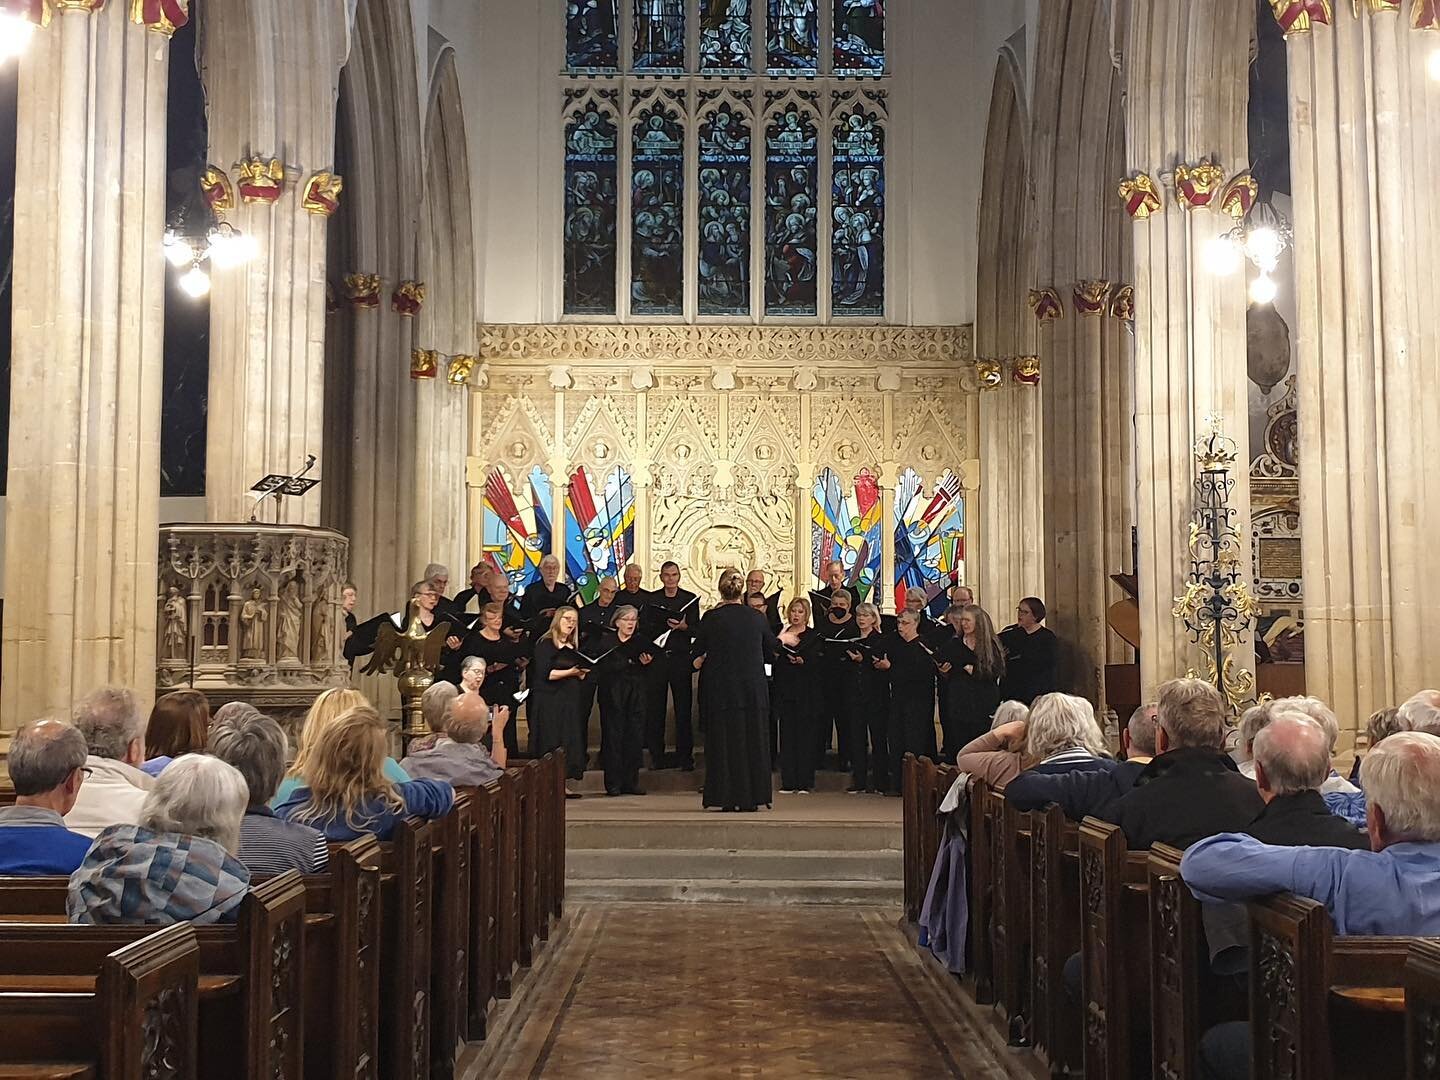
(280, 485)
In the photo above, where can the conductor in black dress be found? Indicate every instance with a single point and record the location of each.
(732, 645)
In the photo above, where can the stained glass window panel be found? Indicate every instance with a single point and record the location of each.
(929, 537)
(516, 535)
(845, 526)
(592, 35)
(599, 529)
(724, 213)
(591, 192)
(792, 45)
(657, 213)
(857, 237)
(791, 214)
(660, 36)
(725, 36)
(859, 37)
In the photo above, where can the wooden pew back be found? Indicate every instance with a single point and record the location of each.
(1055, 934)
(405, 1000)
(1422, 1011)
(1113, 948)
(981, 885)
(1178, 958)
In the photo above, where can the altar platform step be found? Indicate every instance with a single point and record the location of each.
(677, 781)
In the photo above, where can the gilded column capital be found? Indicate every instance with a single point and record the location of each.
(84, 7)
(161, 16)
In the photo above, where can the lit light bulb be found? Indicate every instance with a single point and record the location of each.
(1433, 65)
(229, 247)
(1263, 290)
(1264, 246)
(195, 282)
(178, 251)
(15, 35)
(1223, 256)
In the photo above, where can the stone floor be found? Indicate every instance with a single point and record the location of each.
(714, 991)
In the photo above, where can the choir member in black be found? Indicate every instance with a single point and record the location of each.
(835, 583)
(972, 665)
(545, 597)
(962, 595)
(504, 660)
(1031, 652)
(676, 610)
(499, 586)
(437, 576)
(755, 583)
(620, 675)
(911, 666)
(478, 594)
(793, 693)
(596, 621)
(554, 702)
(348, 598)
(631, 593)
(732, 645)
(867, 707)
(838, 622)
(755, 601)
(915, 601)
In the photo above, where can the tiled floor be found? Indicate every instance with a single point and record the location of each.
(723, 991)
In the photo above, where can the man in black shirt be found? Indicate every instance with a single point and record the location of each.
(834, 624)
(676, 611)
(544, 597)
(479, 578)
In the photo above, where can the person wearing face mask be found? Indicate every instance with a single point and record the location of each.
(1031, 654)
(911, 668)
(837, 671)
(555, 696)
(676, 611)
(624, 657)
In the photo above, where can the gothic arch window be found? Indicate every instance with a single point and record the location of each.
(792, 208)
(599, 528)
(857, 217)
(592, 36)
(724, 204)
(657, 207)
(845, 528)
(592, 181)
(516, 533)
(725, 36)
(929, 536)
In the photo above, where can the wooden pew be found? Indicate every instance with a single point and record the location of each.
(1010, 918)
(543, 815)
(981, 886)
(484, 923)
(526, 820)
(450, 965)
(509, 880)
(136, 1019)
(1114, 949)
(405, 953)
(1422, 1011)
(1055, 937)
(910, 781)
(252, 972)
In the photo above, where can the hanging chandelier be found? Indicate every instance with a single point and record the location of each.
(1260, 239)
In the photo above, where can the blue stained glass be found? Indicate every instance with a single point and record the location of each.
(724, 213)
(516, 536)
(660, 36)
(592, 35)
(929, 538)
(791, 214)
(599, 529)
(657, 209)
(859, 37)
(857, 238)
(591, 193)
(725, 35)
(792, 45)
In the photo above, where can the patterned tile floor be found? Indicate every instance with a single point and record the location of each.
(722, 991)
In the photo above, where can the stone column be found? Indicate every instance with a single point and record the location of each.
(1007, 549)
(1363, 133)
(271, 70)
(888, 480)
(804, 485)
(1187, 75)
(84, 475)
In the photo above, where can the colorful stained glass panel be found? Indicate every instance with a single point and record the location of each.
(599, 529)
(657, 213)
(929, 537)
(791, 214)
(792, 45)
(845, 526)
(660, 36)
(857, 237)
(724, 213)
(725, 36)
(591, 193)
(592, 36)
(859, 33)
(516, 535)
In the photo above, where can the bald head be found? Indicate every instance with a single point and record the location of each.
(1292, 754)
(45, 761)
(1140, 732)
(469, 719)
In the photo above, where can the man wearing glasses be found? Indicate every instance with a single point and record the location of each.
(47, 767)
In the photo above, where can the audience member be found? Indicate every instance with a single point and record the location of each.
(1421, 713)
(256, 747)
(115, 788)
(1292, 761)
(436, 704)
(1382, 724)
(178, 725)
(233, 710)
(458, 757)
(178, 864)
(1080, 793)
(47, 767)
(327, 708)
(345, 792)
(1060, 735)
(1008, 712)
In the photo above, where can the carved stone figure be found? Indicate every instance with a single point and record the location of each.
(252, 627)
(177, 624)
(320, 636)
(287, 622)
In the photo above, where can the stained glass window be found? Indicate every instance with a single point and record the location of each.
(591, 175)
(660, 36)
(657, 212)
(725, 36)
(792, 45)
(929, 537)
(857, 228)
(845, 526)
(859, 34)
(592, 35)
(724, 213)
(599, 529)
(791, 214)
(516, 536)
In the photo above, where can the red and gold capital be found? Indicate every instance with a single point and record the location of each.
(363, 291)
(1092, 297)
(1026, 371)
(161, 16)
(1297, 16)
(424, 363)
(261, 179)
(1046, 304)
(216, 187)
(322, 194)
(1140, 196)
(1196, 185)
(1122, 303)
(408, 299)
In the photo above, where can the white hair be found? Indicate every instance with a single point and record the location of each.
(1422, 713)
(550, 560)
(868, 609)
(470, 663)
(436, 703)
(436, 570)
(1294, 750)
(198, 795)
(1312, 707)
(1060, 722)
(1401, 776)
(1009, 711)
(109, 718)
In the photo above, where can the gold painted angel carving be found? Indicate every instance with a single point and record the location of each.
(416, 649)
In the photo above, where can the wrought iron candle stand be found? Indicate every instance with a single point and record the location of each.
(1217, 607)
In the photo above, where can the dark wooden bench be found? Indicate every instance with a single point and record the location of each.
(1114, 951)
(981, 888)
(406, 886)
(452, 849)
(1422, 1011)
(1010, 917)
(1055, 937)
(508, 907)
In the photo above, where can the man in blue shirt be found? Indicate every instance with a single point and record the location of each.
(47, 767)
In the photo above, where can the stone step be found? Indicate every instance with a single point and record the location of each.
(862, 893)
(622, 863)
(726, 832)
(673, 781)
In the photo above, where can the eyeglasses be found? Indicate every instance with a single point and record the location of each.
(87, 770)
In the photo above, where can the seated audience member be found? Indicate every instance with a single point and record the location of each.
(1080, 793)
(255, 745)
(1292, 760)
(435, 705)
(458, 757)
(233, 710)
(178, 725)
(1007, 712)
(47, 767)
(1060, 735)
(344, 791)
(328, 708)
(1421, 713)
(1191, 788)
(178, 864)
(1258, 716)
(115, 788)
(1382, 724)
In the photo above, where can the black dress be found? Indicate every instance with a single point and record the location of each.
(500, 686)
(735, 706)
(795, 686)
(912, 701)
(620, 679)
(554, 708)
(871, 718)
(967, 702)
(1030, 663)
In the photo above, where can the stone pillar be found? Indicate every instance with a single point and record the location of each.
(804, 485)
(1007, 549)
(84, 476)
(1362, 131)
(1187, 73)
(888, 480)
(271, 70)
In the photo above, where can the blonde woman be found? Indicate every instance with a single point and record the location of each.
(344, 791)
(557, 695)
(326, 709)
(794, 691)
(1060, 735)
